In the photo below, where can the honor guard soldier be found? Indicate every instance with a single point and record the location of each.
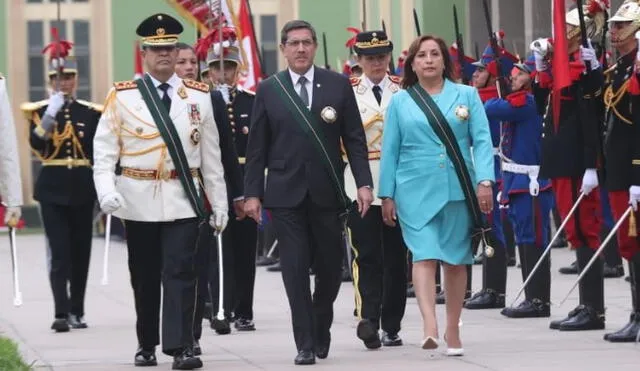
(529, 197)
(622, 151)
(494, 269)
(204, 73)
(161, 130)
(570, 157)
(240, 238)
(61, 136)
(380, 269)
(10, 181)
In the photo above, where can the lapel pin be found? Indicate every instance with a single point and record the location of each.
(318, 85)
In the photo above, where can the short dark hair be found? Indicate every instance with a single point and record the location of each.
(410, 77)
(296, 25)
(182, 46)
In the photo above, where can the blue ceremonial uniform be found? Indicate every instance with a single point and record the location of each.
(416, 172)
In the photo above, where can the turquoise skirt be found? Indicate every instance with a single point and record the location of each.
(447, 237)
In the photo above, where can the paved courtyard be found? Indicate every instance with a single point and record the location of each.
(491, 341)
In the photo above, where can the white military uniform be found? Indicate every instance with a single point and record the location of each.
(372, 115)
(127, 132)
(10, 181)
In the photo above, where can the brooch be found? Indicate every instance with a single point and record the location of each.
(194, 114)
(182, 92)
(195, 137)
(462, 112)
(328, 114)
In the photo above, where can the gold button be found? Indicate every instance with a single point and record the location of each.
(68, 144)
(233, 123)
(66, 110)
(233, 130)
(231, 116)
(81, 134)
(67, 116)
(69, 122)
(230, 109)
(68, 151)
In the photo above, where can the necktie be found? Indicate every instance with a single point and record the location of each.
(165, 97)
(377, 93)
(304, 94)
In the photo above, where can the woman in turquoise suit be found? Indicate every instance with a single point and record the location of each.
(420, 187)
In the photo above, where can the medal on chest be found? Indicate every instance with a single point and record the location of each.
(194, 114)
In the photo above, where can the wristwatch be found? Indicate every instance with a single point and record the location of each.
(486, 183)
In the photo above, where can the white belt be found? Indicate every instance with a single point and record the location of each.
(531, 170)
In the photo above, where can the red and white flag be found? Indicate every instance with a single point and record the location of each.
(251, 72)
(137, 55)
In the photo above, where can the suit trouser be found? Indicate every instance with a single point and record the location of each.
(310, 235)
(380, 269)
(69, 229)
(163, 253)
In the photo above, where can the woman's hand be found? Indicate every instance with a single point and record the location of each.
(485, 198)
(389, 212)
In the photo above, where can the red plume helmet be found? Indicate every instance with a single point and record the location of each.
(205, 43)
(352, 41)
(57, 49)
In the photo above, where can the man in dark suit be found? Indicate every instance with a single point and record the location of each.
(299, 117)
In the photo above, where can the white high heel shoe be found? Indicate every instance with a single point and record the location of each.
(453, 352)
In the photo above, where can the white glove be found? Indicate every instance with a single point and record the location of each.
(111, 202)
(499, 196)
(12, 216)
(56, 101)
(540, 48)
(588, 54)
(224, 90)
(634, 196)
(218, 220)
(589, 181)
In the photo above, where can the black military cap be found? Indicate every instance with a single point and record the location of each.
(372, 42)
(159, 30)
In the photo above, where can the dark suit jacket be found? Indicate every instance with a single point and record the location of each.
(232, 171)
(278, 143)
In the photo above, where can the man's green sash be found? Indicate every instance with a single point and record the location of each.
(171, 138)
(310, 125)
(441, 127)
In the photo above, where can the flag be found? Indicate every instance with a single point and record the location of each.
(137, 71)
(251, 71)
(560, 62)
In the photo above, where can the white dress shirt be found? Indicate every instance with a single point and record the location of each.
(370, 84)
(309, 84)
(174, 81)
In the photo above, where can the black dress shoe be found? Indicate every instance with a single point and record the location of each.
(221, 327)
(585, 319)
(197, 350)
(391, 340)
(145, 358)
(571, 269)
(485, 299)
(368, 333)
(612, 272)
(322, 350)
(186, 360)
(627, 334)
(60, 325)
(528, 309)
(77, 321)
(243, 324)
(305, 357)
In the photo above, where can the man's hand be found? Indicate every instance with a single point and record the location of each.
(12, 216)
(589, 181)
(634, 197)
(56, 101)
(111, 202)
(389, 216)
(238, 209)
(485, 198)
(219, 219)
(365, 198)
(253, 209)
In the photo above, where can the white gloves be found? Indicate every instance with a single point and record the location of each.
(634, 197)
(111, 202)
(589, 181)
(540, 48)
(588, 54)
(56, 101)
(12, 216)
(218, 220)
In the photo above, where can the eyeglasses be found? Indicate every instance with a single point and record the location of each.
(295, 43)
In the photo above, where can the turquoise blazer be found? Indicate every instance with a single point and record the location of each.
(415, 169)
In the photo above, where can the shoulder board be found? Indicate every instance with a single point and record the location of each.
(354, 80)
(93, 106)
(196, 85)
(395, 79)
(125, 85)
(29, 107)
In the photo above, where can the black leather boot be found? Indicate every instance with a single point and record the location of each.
(538, 291)
(494, 282)
(510, 241)
(590, 314)
(629, 333)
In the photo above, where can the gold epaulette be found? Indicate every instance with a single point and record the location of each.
(29, 107)
(354, 80)
(395, 79)
(196, 85)
(125, 85)
(93, 106)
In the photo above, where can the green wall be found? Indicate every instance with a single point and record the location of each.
(126, 15)
(331, 17)
(3, 37)
(437, 17)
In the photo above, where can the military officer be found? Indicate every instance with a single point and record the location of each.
(240, 238)
(380, 268)
(61, 136)
(10, 182)
(162, 130)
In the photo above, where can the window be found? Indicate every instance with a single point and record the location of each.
(33, 1)
(269, 44)
(35, 43)
(81, 51)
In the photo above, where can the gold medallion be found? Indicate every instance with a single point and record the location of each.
(195, 137)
